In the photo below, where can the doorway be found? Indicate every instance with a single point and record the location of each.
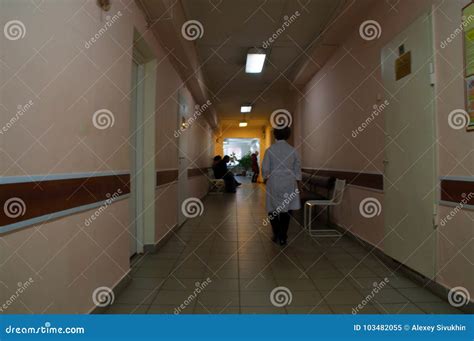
(410, 148)
(136, 176)
(142, 147)
(240, 150)
(182, 154)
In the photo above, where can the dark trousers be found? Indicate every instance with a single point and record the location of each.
(280, 222)
(255, 176)
(230, 182)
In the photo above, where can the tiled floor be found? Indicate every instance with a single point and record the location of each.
(229, 245)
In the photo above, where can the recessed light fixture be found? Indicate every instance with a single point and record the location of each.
(255, 60)
(246, 108)
(243, 123)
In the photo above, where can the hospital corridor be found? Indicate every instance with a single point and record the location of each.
(224, 157)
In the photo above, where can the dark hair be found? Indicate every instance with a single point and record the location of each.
(217, 158)
(226, 157)
(282, 134)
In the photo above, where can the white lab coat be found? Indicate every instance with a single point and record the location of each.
(282, 168)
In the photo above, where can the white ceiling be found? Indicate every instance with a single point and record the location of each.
(231, 27)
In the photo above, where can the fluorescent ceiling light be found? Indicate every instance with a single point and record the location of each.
(243, 124)
(246, 108)
(255, 61)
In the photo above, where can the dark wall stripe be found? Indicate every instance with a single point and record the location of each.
(457, 190)
(27, 200)
(197, 171)
(369, 180)
(166, 176)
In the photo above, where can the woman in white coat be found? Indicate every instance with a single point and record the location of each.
(281, 171)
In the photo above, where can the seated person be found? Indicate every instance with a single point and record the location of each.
(215, 162)
(221, 172)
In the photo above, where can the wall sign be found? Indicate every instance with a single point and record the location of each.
(403, 65)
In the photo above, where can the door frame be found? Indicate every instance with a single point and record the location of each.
(143, 168)
(182, 113)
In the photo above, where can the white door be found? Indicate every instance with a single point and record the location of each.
(410, 149)
(182, 155)
(136, 174)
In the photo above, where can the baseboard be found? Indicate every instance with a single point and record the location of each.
(151, 248)
(117, 289)
(433, 286)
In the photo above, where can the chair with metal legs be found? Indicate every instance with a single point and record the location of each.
(335, 200)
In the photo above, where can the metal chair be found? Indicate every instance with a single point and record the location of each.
(335, 200)
(215, 185)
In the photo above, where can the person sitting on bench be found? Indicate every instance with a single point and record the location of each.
(222, 172)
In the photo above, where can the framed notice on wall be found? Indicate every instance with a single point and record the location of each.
(468, 25)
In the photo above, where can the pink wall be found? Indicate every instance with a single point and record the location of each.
(67, 83)
(341, 96)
